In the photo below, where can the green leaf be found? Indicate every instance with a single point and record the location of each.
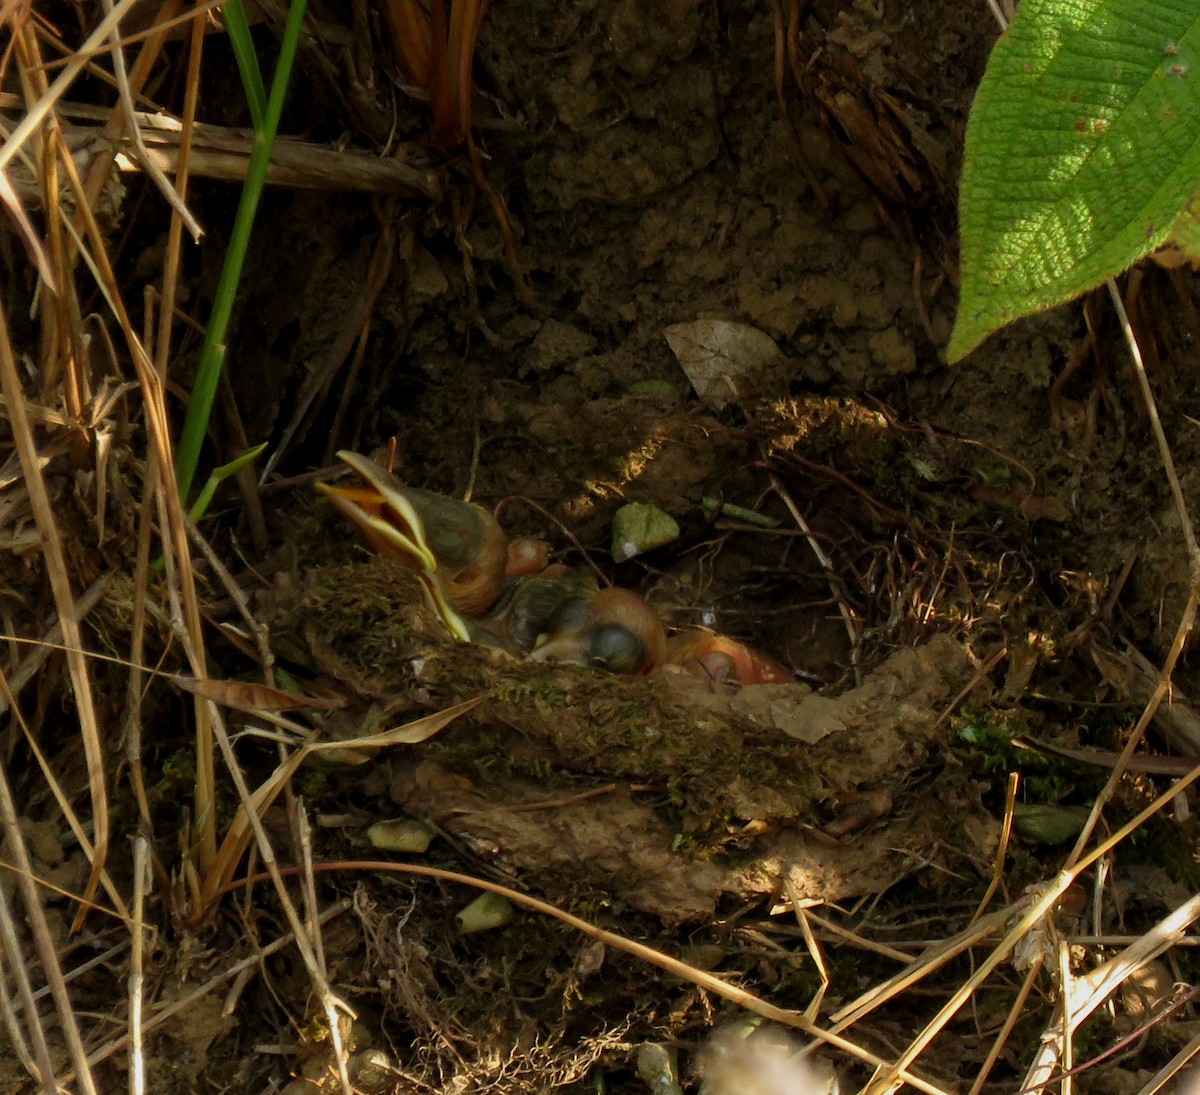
(219, 475)
(1185, 232)
(1082, 148)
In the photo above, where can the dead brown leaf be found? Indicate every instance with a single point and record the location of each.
(250, 696)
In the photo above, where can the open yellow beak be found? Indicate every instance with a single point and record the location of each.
(393, 527)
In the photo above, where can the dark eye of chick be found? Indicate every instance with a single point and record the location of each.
(616, 649)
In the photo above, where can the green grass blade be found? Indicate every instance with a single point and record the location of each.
(238, 27)
(218, 476)
(212, 354)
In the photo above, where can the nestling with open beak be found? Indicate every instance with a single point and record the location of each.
(459, 549)
(488, 590)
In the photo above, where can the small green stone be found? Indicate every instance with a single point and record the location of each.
(639, 527)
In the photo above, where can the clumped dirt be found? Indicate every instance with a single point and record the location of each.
(1006, 512)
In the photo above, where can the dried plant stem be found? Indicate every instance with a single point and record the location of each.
(43, 941)
(63, 799)
(161, 349)
(1014, 1013)
(219, 153)
(1073, 1009)
(141, 880)
(64, 601)
(312, 927)
(1171, 1069)
(224, 154)
(162, 1014)
(251, 804)
(174, 199)
(1010, 805)
(1047, 898)
(814, 948)
(1085, 994)
(1187, 618)
(113, 131)
(171, 526)
(60, 353)
(152, 481)
(937, 957)
(1032, 910)
(702, 979)
(13, 949)
(844, 934)
(36, 115)
(853, 627)
(1160, 436)
(31, 665)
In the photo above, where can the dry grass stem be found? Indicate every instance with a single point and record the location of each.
(29, 667)
(922, 967)
(849, 618)
(14, 965)
(330, 1005)
(138, 929)
(37, 113)
(249, 812)
(1010, 805)
(1080, 996)
(224, 154)
(134, 135)
(1015, 1011)
(43, 940)
(171, 527)
(1171, 1071)
(1066, 1039)
(259, 632)
(700, 978)
(838, 932)
(294, 163)
(1188, 615)
(68, 613)
(247, 824)
(249, 964)
(1176, 720)
(800, 911)
(95, 349)
(63, 800)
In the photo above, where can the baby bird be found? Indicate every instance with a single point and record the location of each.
(458, 548)
(720, 658)
(488, 590)
(611, 629)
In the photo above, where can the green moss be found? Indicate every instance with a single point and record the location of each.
(365, 614)
(985, 739)
(555, 725)
(543, 692)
